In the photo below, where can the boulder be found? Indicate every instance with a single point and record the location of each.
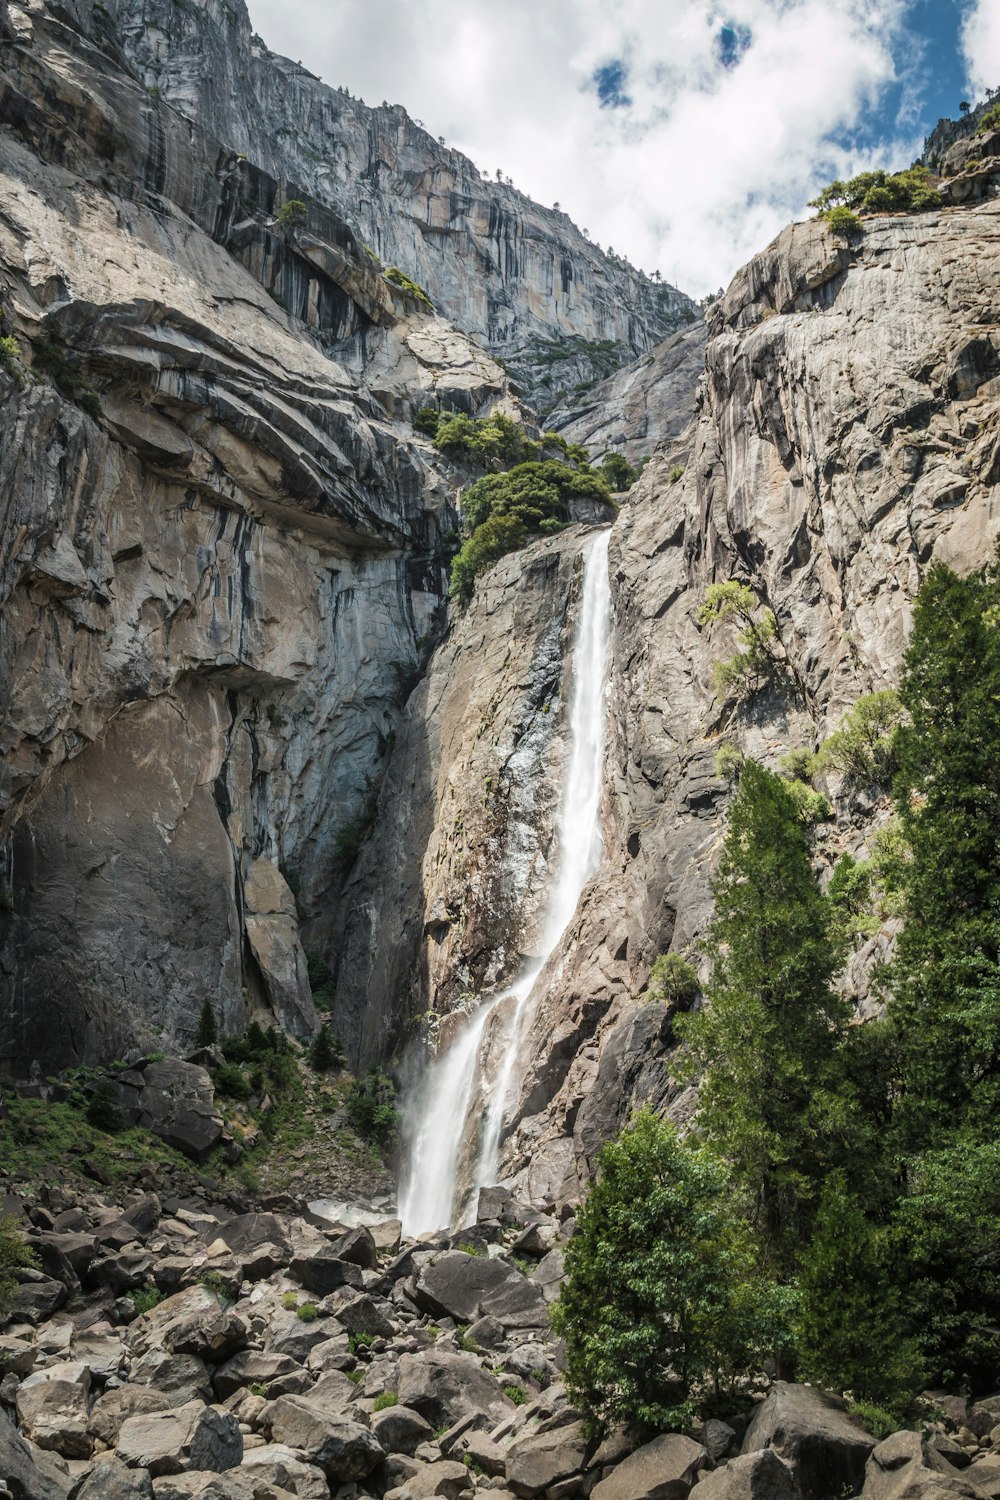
(30, 1473)
(400, 1429)
(323, 1271)
(251, 1367)
(343, 1449)
(194, 1437)
(190, 1322)
(248, 1233)
(182, 1376)
(906, 1467)
(718, 1438)
(665, 1469)
(176, 1101)
(812, 1432)
(115, 1407)
(538, 1460)
(754, 1476)
(483, 1453)
(453, 1285)
(444, 1387)
(358, 1247)
(110, 1479)
(52, 1410)
(17, 1356)
(356, 1312)
(36, 1298)
(450, 1481)
(279, 1465)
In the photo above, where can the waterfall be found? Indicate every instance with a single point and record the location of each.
(492, 1042)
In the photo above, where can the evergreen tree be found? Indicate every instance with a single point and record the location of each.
(208, 1032)
(326, 1051)
(945, 978)
(661, 1297)
(767, 1039)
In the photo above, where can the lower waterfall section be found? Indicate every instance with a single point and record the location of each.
(465, 1091)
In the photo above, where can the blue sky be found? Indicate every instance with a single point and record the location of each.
(684, 133)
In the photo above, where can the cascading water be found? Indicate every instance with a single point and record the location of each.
(454, 1083)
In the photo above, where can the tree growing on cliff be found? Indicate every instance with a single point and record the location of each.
(661, 1299)
(758, 662)
(207, 1033)
(768, 1037)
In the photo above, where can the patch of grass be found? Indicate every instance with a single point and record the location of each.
(398, 278)
(146, 1298)
(358, 1341)
(290, 1301)
(517, 1394)
(307, 1313)
(875, 1419)
(355, 1376)
(387, 1399)
(257, 1388)
(212, 1282)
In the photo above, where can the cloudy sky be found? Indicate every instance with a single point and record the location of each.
(684, 133)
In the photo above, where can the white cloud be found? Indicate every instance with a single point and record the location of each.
(981, 45)
(703, 167)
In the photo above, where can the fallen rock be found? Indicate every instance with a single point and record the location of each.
(343, 1449)
(30, 1473)
(400, 1429)
(538, 1460)
(665, 1469)
(323, 1271)
(111, 1480)
(753, 1476)
(454, 1284)
(812, 1432)
(115, 1407)
(279, 1465)
(195, 1437)
(905, 1467)
(444, 1387)
(52, 1410)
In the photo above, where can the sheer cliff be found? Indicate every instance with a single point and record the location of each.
(523, 279)
(845, 436)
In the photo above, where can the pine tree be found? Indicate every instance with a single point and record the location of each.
(208, 1032)
(945, 978)
(769, 1099)
(326, 1051)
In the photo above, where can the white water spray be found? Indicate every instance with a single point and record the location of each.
(455, 1081)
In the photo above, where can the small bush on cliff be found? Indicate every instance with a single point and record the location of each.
(990, 120)
(371, 1107)
(326, 1051)
(406, 284)
(293, 214)
(909, 191)
(618, 473)
(758, 663)
(661, 1301)
(487, 544)
(673, 981)
(207, 1033)
(10, 358)
(496, 441)
(15, 1256)
(863, 748)
(843, 222)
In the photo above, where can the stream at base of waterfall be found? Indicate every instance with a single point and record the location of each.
(476, 1076)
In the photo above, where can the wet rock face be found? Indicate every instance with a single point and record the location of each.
(224, 545)
(521, 278)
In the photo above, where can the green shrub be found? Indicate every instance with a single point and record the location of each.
(146, 1298)
(909, 191)
(208, 1032)
(728, 761)
(427, 421)
(406, 284)
(321, 981)
(617, 472)
(10, 356)
(51, 358)
(661, 1299)
(358, 1341)
(517, 1394)
(676, 474)
(212, 1281)
(104, 1110)
(496, 441)
(798, 764)
(326, 1051)
(289, 1301)
(533, 492)
(486, 546)
(293, 214)
(371, 1107)
(385, 1400)
(990, 120)
(257, 1388)
(673, 981)
(307, 1312)
(231, 1081)
(813, 806)
(757, 664)
(15, 1256)
(863, 748)
(843, 222)
(874, 1419)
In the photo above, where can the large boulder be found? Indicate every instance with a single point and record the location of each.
(30, 1473)
(322, 1271)
(443, 1480)
(176, 1101)
(183, 1376)
(538, 1460)
(52, 1409)
(343, 1449)
(110, 1479)
(279, 1465)
(116, 1406)
(753, 1476)
(665, 1469)
(190, 1322)
(445, 1387)
(812, 1432)
(906, 1467)
(400, 1429)
(251, 1367)
(193, 1438)
(454, 1284)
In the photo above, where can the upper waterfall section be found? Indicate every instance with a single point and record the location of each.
(523, 279)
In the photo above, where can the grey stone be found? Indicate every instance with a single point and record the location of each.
(665, 1469)
(813, 1434)
(191, 1438)
(753, 1476)
(400, 1429)
(343, 1449)
(537, 1461)
(445, 1387)
(111, 1480)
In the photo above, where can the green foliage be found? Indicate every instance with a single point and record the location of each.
(146, 1298)
(231, 1082)
(15, 1256)
(321, 981)
(517, 1394)
(798, 764)
(813, 806)
(212, 1281)
(673, 981)
(496, 441)
(427, 421)
(757, 664)
(945, 978)
(728, 761)
(768, 1036)
(661, 1296)
(51, 359)
(104, 1109)
(326, 1051)
(843, 222)
(532, 492)
(10, 356)
(257, 1388)
(289, 1301)
(385, 1400)
(307, 1312)
(293, 214)
(850, 1325)
(208, 1032)
(406, 284)
(617, 472)
(371, 1107)
(863, 748)
(909, 191)
(850, 895)
(487, 544)
(990, 120)
(358, 1341)
(947, 1232)
(470, 1248)
(352, 833)
(874, 1419)
(676, 474)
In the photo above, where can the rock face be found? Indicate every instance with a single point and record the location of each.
(522, 279)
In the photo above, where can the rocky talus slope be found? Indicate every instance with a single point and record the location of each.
(523, 279)
(845, 436)
(222, 560)
(168, 1348)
